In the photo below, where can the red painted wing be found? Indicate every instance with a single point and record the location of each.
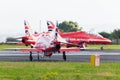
(30, 50)
(69, 49)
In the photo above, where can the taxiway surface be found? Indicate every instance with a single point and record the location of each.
(82, 56)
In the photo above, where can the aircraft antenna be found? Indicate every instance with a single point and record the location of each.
(40, 27)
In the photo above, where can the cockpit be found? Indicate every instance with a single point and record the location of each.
(95, 34)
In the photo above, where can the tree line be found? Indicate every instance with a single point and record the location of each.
(113, 35)
(69, 26)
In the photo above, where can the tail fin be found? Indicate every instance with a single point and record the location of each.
(53, 29)
(28, 30)
(50, 25)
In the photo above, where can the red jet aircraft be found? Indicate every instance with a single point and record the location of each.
(30, 37)
(49, 43)
(82, 38)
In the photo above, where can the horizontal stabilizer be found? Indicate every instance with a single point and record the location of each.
(31, 50)
(23, 49)
(69, 49)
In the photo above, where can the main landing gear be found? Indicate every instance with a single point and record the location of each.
(31, 57)
(64, 56)
(38, 56)
(102, 47)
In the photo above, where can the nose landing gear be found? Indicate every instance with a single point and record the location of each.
(31, 57)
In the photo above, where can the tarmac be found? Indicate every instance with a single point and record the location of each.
(82, 56)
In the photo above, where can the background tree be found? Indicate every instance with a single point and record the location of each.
(69, 26)
(116, 34)
(105, 34)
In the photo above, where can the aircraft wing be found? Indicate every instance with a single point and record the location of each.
(30, 50)
(69, 49)
(40, 50)
(24, 49)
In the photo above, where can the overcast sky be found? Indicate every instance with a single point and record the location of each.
(97, 15)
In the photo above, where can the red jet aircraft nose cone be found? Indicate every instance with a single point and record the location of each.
(108, 41)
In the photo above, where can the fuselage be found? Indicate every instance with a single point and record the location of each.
(30, 40)
(82, 36)
(47, 43)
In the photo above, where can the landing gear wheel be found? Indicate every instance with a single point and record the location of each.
(31, 46)
(38, 57)
(64, 56)
(31, 57)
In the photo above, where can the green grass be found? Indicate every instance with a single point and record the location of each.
(58, 71)
(106, 47)
(3, 46)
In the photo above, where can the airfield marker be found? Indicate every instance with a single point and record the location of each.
(95, 60)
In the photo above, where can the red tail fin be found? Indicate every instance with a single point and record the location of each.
(50, 25)
(28, 30)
